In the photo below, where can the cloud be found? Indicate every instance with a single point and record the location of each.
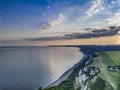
(115, 20)
(95, 33)
(96, 7)
(55, 24)
(53, 28)
(59, 27)
(74, 19)
(64, 23)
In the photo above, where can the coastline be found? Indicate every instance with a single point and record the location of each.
(87, 51)
(65, 75)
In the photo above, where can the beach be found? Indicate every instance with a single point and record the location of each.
(87, 51)
(65, 75)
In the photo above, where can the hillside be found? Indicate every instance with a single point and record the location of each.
(100, 72)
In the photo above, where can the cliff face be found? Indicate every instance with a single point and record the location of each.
(93, 73)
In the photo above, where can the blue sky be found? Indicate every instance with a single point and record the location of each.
(21, 19)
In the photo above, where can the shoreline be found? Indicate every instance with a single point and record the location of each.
(87, 50)
(66, 74)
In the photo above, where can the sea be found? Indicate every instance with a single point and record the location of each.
(28, 68)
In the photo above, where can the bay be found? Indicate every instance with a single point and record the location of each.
(28, 68)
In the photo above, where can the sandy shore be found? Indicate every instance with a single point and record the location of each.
(62, 78)
(66, 74)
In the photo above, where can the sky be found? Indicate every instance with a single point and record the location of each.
(24, 19)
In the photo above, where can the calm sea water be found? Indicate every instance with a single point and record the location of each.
(29, 68)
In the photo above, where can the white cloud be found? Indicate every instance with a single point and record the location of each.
(73, 19)
(95, 7)
(62, 24)
(115, 20)
(59, 27)
(57, 23)
(53, 28)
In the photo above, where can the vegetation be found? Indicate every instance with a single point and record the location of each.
(68, 83)
(115, 56)
(101, 84)
(98, 85)
(105, 80)
(104, 60)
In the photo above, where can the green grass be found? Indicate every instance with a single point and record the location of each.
(106, 59)
(98, 85)
(115, 56)
(106, 80)
(68, 83)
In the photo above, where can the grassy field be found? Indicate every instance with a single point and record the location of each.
(106, 80)
(104, 60)
(68, 83)
(115, 56)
